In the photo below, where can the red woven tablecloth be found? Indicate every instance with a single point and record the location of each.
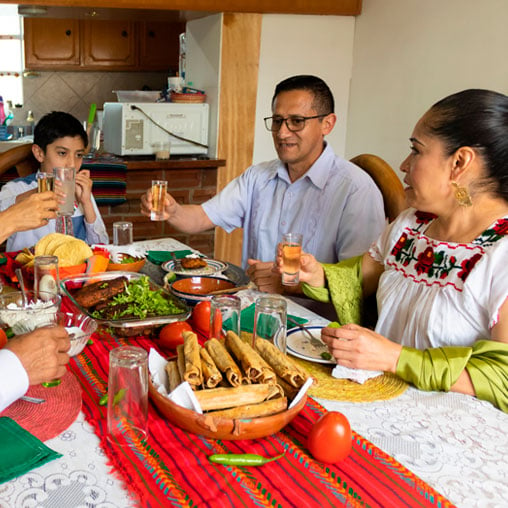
(171, 467)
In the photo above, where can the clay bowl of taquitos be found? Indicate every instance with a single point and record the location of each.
(222, 428)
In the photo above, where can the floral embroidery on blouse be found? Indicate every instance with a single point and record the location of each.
(431, 261)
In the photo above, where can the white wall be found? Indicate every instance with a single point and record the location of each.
(299, 44)
(203, 64)
(410, 53)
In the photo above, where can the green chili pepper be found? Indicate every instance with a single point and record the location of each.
(325, 355)
(103, 400)
(119, 395)
(333, 324)
(90, 342)
(49, 384)
(242, 459)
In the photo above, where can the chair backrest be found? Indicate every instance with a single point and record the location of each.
(20, 157)
(387, 180)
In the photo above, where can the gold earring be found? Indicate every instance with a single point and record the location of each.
(462, 194)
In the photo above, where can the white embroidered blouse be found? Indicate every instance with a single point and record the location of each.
(435, 293)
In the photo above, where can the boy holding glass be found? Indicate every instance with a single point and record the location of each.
(59, 141)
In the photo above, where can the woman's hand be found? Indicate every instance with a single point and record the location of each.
(84, 186)
(360, 348)
(311, 270)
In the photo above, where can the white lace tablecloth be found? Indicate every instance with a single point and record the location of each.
(455, 443)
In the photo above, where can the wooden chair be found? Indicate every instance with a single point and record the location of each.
(20, 157)
(387, 180)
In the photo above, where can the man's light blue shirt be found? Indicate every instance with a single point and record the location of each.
(335, 205)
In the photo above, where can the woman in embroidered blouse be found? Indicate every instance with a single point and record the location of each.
(439, 270)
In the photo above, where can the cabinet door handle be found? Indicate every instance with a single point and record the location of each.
(124, 33)
(68, 33)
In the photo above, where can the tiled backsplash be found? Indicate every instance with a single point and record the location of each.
(73, 92)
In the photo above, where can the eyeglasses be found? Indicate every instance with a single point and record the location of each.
(293, 123)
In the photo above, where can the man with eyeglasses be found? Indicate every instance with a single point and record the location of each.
(308, 189)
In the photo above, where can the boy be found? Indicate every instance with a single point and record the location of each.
(59, 141)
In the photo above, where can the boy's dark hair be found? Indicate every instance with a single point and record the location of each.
(55, 125)
(323, 101)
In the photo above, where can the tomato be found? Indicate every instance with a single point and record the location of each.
(171, 335)
(3, 339)
(330, 439)
(201, 317)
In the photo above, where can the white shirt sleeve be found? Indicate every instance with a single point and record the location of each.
(13, 378)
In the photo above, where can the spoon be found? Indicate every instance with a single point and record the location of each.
(19, 275)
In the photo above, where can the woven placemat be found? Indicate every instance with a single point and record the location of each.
(384, 387)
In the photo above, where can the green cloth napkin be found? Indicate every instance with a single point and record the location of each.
(20, 451)
(161, 256)
(247, 319)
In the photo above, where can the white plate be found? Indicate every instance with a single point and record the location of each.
(212, 268)
(299, 345)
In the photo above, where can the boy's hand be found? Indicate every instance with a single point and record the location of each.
(83, 186)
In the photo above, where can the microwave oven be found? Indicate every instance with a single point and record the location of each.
(133, 128)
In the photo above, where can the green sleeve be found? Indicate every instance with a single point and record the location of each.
(439, 368)
(344, 289)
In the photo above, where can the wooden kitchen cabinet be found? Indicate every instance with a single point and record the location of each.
(159, 44)
(51, 42)
(72, 44)
(109, 43)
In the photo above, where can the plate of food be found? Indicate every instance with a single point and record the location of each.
(312, 350)
(194, 265)
(128, 302)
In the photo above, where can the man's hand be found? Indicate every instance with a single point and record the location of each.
(170, 205)
(42, 352)
(262, 274)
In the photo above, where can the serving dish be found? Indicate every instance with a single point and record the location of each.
(135, 266)
(80, 328)
(196, 289)
(222, 428)
(126, 326)
(213, 267)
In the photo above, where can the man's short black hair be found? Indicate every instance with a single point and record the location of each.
(55, 125)
(323, 101)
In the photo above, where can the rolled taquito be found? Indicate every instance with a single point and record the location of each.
(174, 378)
(281, 364)
(211, 374)
(224, 362)
(180, 360)
(266, 408)
(193, 374)
(223, 398)
(253, 365)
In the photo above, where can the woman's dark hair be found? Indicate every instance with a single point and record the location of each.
(479, 119)
(55, 125)
(323, 101)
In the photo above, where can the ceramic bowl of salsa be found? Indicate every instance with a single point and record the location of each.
(127, 264)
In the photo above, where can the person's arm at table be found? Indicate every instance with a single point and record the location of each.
(185, 218)
(31, 213)
(31, 359)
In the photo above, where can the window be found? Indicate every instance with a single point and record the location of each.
(11, 55)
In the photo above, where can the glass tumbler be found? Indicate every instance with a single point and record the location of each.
(224, 315)
(159, 189)
(127, 395)
(67, 179)
(46, 277)
(291, 253)
(270, 321)
(122, 233)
